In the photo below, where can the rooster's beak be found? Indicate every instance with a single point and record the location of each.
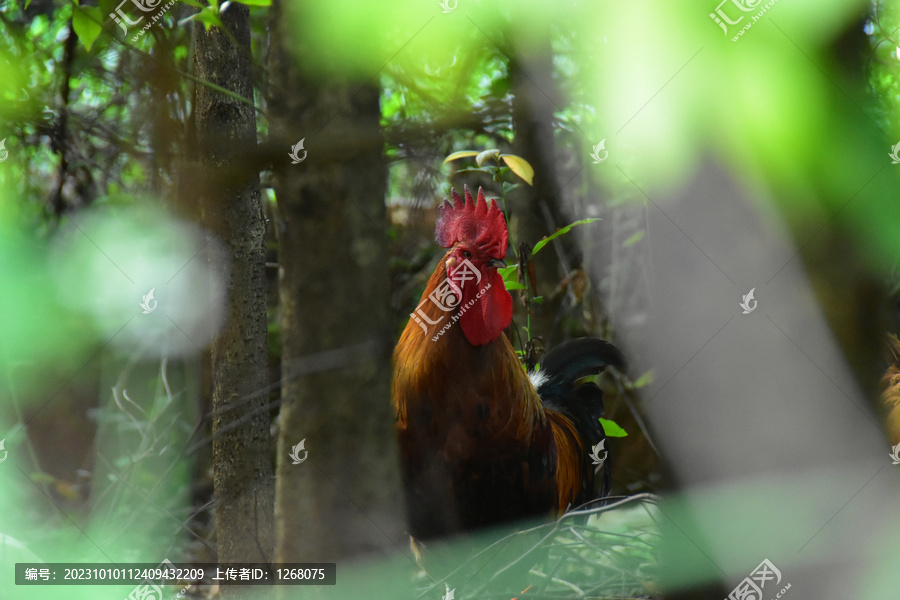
(496, 262)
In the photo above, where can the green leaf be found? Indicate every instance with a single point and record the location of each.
(193, 3)
(509, 187)
(255, 2)
(87, 23)
(538, 299)
(208, 17)
(642, 381)
(634, 239)
(39, 25)
(486, 154)
(519, 166)
(460, 154)
(510, 277)
(612, 429)
(543, 242)
(509, 273)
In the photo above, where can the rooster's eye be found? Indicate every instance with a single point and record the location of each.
(467, 254)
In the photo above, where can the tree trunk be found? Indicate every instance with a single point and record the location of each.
(242, 462)
(530, 73)
(344, 499)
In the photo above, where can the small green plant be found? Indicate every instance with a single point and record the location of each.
(516, 164)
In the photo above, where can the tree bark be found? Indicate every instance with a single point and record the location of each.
(344, 499)
(530, 72)
(242, 463)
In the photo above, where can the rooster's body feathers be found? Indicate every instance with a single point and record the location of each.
(480, 443)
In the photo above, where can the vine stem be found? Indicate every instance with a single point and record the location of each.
(529, 293)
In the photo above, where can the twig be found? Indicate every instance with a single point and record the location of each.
(581, 593)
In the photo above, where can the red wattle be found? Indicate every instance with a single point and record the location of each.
(484, 320)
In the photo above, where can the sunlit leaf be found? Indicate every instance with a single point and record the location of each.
(39, 25)
(510, 277)
(460, 154)
(255, 2)
(612, 429)
(485, 155)
(519, 166)
(543, 242)
(87, 23)
(208, 18)
(509, 273)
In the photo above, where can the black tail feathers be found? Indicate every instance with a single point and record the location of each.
(574, 359)
(557, 384)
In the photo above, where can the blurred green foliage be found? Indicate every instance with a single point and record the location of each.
(658, 81)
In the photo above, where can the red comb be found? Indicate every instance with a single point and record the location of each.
(473, 222)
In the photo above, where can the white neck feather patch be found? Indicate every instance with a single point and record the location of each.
(538, 378)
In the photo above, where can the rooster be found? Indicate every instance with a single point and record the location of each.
(482, 442)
